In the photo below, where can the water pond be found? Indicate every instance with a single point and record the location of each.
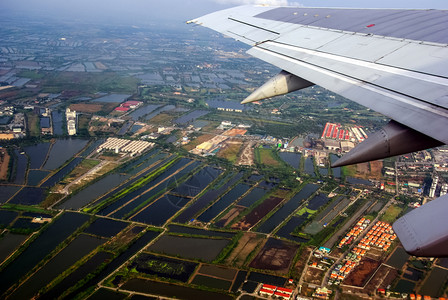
(198, 231)
(434, 284)
(77, 249)
(62, 172)
(113, 98)
(37, 154)
(224, 202)
(252, 197)
(309, 166)
(171, 290)
(284, 211)
(9, 243)
(118, 261)
(161, 210)
(6, 217)
(135, 115)
(19, 165)
(79, 274)
(158, 111)
(206, 198)
(398, 258)
(211, 282)
(265, 278)
(291, 158)
(240, 278)
(93, 191)
(290, 226)
(106, 227)
(62, 150)
(29, 196)
(193, 248)
(164, 267)
(317, 201)
(190, 117)
(7, 191)
(197, 182)
(36, 176)
(46, 242)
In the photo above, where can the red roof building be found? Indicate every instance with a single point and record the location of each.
(122, 109)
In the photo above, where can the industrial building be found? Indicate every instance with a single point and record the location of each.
(122, 145)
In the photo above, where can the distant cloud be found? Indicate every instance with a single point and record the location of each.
(269, 2)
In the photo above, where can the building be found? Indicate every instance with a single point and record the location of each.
(332, 145)
(346, 146)
(71, 121)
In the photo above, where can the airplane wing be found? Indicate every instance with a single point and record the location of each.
(393, 61)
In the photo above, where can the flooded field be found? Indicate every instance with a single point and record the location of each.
(171, 290)
(93, 191)
(252, 197)
(159, 186)
(158, 111)
(9, 243)
(276, 255)
(91, 265)
(224, 202)
(205, 199)
(140, 112)
(212, 282)
(106, 227)
(91, 147)
(113, 98)
(309, 166)
(62, 172)
(240, 277)
(77, 249)
(197, 182)
(29, 196)
(219, 272)
(36, 176)
(57, 232)
(197, 231)
(62, 150)
(404, 286)
(118, 261)
(398, 258)
(161, 210)
(257, 213)
(435, 282)
(37, 154)
(265, 278)
(166, 267)
(7, 216)
(19, 166)
(190, 117)
(194, 248)
(317, 201)
(291, 158)
(290, 226)
(284, 211)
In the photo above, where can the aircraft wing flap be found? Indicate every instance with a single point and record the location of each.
(422, 116)
(413, 84)
(422, 58)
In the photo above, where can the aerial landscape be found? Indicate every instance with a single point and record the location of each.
(130, 170)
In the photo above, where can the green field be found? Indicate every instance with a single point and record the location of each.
(391, 214)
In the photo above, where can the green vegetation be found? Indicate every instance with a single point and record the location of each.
(267, 157)
(391, 214)
(33, 124)
(306, 210)
(228, 249)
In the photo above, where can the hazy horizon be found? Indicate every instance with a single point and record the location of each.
(178, 11)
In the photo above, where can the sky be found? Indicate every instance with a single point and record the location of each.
(140, 11)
